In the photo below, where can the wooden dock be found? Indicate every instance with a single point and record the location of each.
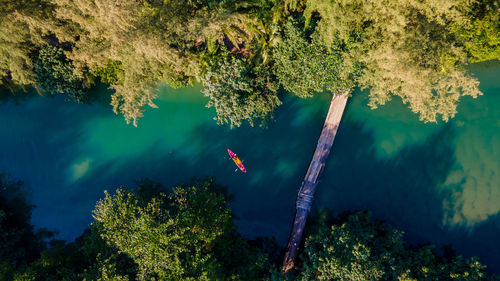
(306, 192)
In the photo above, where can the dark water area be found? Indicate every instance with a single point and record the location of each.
(439, 183)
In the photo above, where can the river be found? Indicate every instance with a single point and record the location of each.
(439, 183)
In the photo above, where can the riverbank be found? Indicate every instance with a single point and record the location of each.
(438, 183)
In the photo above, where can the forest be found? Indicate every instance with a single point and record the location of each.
(188, 232)
(248, 53)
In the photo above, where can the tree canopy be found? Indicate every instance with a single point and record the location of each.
(54, 74)
(238, 92)
(357, 248)
(166, 244)
(19, 243)
(188, 233)
(184, 235)
(304, 68)
(406, 49)
(139, 234)
(415, 50)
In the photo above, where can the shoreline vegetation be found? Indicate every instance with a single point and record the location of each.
(243, 52)
(188, 233)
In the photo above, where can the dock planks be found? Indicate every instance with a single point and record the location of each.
(306, 192)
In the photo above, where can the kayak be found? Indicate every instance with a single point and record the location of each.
(237, 161)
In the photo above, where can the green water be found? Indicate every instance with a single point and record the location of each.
(439, 183)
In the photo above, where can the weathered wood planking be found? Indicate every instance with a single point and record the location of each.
(306, 192)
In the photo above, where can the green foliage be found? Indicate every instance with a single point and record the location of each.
(304, 67)
(406, 49)
(155, 41)
(268, 17)
(358, 249)
(186, 235)
(110, 74)
(19, 244)
(87, 258)
(481, 32)
(18, 42)
(141, 235)
(416, 50)
(54, 74)
(238, 92)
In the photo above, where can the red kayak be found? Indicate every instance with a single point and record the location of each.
(237, 161)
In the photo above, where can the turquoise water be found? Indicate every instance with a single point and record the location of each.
(438, 182)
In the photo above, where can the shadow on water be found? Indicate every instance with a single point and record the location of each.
(16, 95)
(384, 161)
(263, 198)
(99, 94)
(406, 189)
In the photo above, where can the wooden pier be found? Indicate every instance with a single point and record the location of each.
(306, 192)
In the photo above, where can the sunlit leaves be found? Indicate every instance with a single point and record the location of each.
(54, 74)
(169, 236)
(357, 248)
(304, 68)
(238, 92)
(481, 33)
(406, 50)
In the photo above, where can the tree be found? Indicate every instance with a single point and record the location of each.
(89, 257)
(355, 248)
(110, 74)
(153, 41)
(238, 92)
(188, 234)
(18, 41)
(19, 243)
(174, 237)
(406, 49)
(54, 74)
(480, 34)
(304, 67)
(142, 234)
(416, 50)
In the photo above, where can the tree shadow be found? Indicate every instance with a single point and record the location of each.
(263, 198)
(406, 189)
(16, 95)
(98, 94)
